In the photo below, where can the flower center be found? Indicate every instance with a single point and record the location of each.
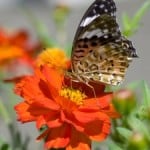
(75, 96)
(53, 57)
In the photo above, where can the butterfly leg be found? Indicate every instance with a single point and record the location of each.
(92, 88)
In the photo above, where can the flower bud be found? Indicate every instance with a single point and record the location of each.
(138, 142)
(60, 13)
(124, 101)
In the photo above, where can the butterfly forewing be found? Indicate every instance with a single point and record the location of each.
(100, 53)
(102, 30)
(98, 8)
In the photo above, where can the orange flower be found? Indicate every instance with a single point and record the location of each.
(54, 58)
(3, 37)
(8, 53)
(16, 45)
(17, 54)
(72, 119)
(19, 39)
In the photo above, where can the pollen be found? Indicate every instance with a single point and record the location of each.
(53, 57)
(74, 95)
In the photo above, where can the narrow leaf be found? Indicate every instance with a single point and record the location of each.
(4, 113)
(113, 146)
(126, 133)
(126, 21)
(140, 13)
(146, 94)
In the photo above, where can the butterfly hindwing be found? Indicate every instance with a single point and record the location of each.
(106, 64)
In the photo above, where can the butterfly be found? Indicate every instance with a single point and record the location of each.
(100, 53)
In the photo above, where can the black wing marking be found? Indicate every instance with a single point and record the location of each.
(103, 27)
(97, 8)
(101, 31)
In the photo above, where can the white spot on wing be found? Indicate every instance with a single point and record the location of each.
(129, 58)
(89, 34)
(106, 10)
(102, 6)
(105, 30)
(105, 36)
(112, 14)
(88, 20)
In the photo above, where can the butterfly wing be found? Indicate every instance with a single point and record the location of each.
(101, 31)
(106, 64)
(97, 8)
(100, 53)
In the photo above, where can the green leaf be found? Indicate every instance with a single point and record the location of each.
(126, 21)
(4, 147)
(134, 85)
(140, 13)
(126, 24)
(42, 33)
(68, 50)
(138, 125)
(4, 113)
(113, 146)
(40, 29)
(126, 133)
(131, 25)
(146, 95)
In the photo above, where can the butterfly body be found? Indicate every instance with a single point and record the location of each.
(100, 53)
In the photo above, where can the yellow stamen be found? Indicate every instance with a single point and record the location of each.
(74, 95)
(53, 57)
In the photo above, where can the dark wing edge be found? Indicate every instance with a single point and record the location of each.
(96, 9)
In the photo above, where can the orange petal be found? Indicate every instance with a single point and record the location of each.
(40, 122)
(56, 137)
(51, 120)
(54, 123)
(85, 117)
(10, 52)
(28, 88)
(37, 109)
(23, 114)
(31, 88)
(43, 103)
(54, 80)
(3, 37)
(105, 100)
(19, 38)
(111, 112)
(98, 129)
(79, 141)
(53, 77)
(82, 119)
(103, 103)
(96, 103)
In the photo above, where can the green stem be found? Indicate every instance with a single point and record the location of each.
(4, 113)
